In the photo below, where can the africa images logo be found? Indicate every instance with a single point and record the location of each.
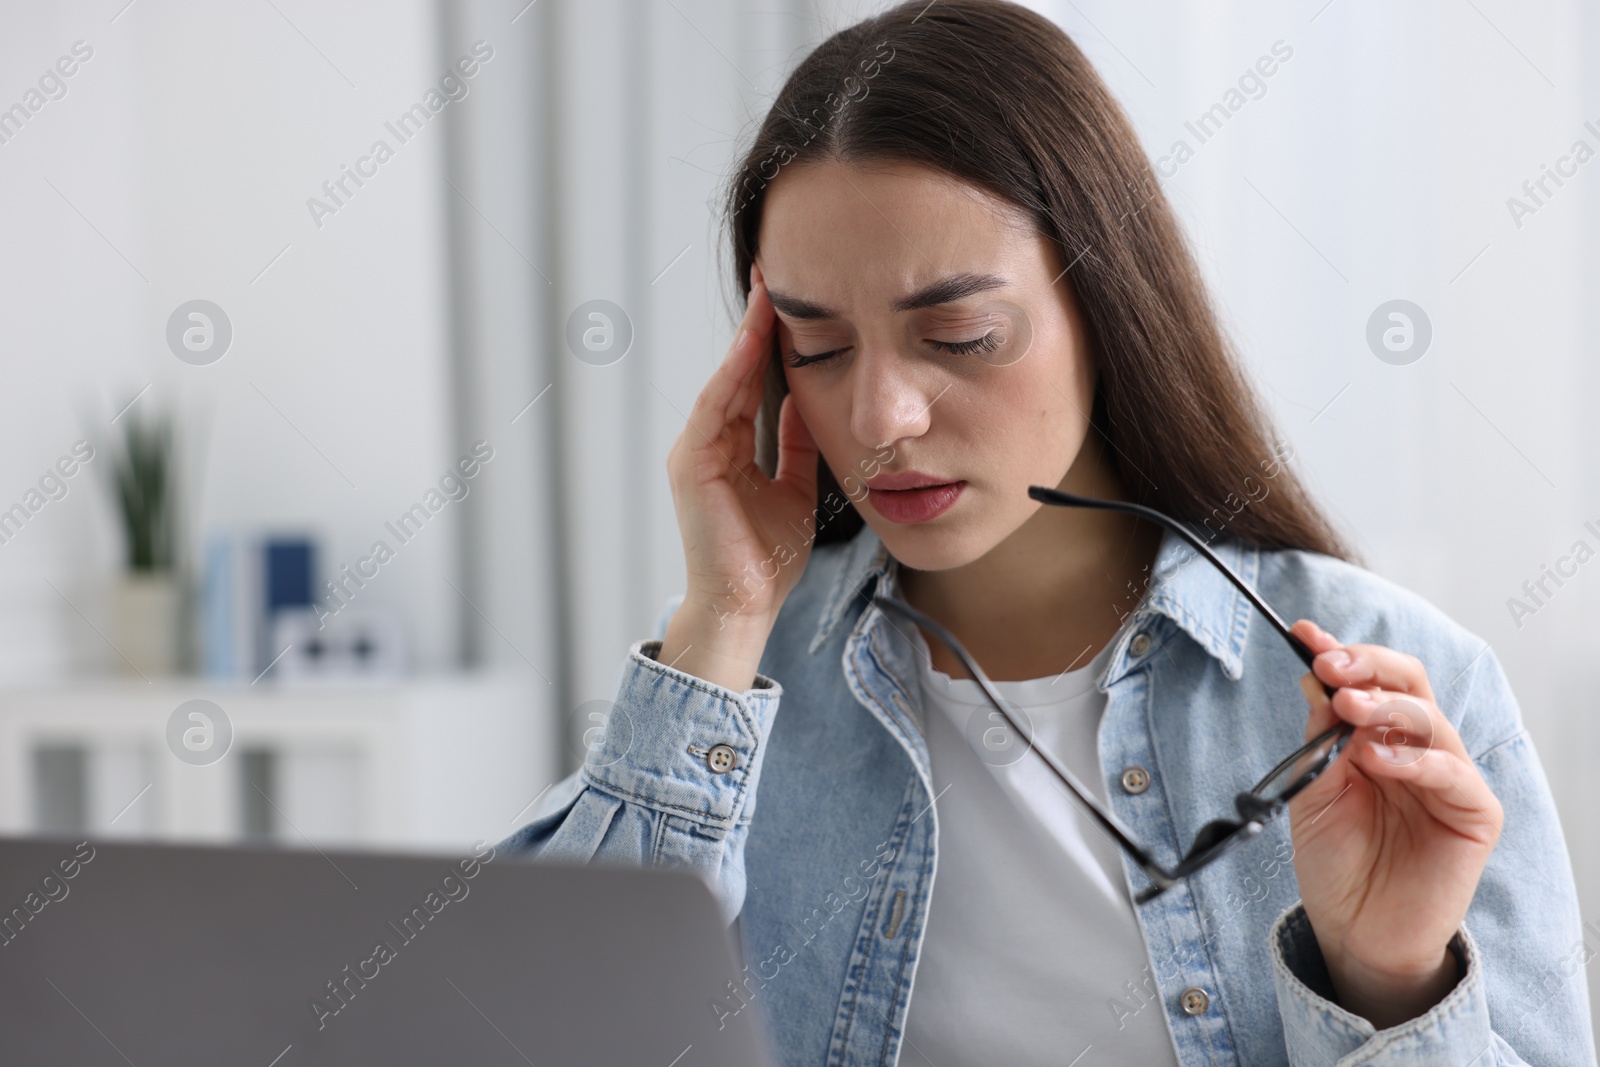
(199, 732)
(199, 332)
(1399, 332)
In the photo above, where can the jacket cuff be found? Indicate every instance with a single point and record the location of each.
(657, 745)
(1318, 1031)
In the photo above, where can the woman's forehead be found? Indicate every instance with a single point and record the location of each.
(836, 237)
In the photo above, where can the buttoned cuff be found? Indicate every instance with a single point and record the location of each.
(683, 745)
(1318, 1031)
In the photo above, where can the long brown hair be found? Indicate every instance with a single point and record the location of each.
(1000, 97)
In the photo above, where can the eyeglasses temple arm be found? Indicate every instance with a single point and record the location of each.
(1107, 821)
(1056, 496)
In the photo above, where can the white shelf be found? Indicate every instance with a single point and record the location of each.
(433, 762)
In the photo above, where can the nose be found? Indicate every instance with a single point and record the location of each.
(887, 401)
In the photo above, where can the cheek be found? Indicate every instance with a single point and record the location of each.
(1040, 409)
(1025, 401)
(825, 419)
(1061, 379)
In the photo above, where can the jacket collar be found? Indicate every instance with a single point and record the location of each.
(1185, 588)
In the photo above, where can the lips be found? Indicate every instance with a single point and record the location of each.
(907, 480)
(923, 501)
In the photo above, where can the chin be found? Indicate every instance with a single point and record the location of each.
(939, 545)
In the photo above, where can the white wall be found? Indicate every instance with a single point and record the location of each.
(191, 141)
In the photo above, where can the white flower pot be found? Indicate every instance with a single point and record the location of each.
(145, 622)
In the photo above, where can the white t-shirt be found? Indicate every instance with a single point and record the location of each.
(1032, 952)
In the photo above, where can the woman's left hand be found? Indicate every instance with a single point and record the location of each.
(1389, 843)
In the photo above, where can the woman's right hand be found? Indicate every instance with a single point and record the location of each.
(742, 531)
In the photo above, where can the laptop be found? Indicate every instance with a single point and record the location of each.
(178, 955)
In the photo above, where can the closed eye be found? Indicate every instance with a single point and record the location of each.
(795, 359)
(987, 343)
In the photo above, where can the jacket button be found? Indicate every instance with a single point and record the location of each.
(1136, 779)
(1194, 1000)
(721, 759)
(1140, 644)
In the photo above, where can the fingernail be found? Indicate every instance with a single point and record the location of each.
(1363, 699)
(1338, 657)
(1385, 753)
(738, 342)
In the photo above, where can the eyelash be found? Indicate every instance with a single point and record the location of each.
(987, 343)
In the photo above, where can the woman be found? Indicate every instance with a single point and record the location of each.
(963, 281)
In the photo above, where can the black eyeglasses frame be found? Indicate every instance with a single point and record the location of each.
(1253, 808)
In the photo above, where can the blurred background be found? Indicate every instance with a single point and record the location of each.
(285, 281)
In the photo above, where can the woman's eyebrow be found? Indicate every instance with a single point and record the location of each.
(944, 291)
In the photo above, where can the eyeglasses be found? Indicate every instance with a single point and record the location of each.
(1252, 809)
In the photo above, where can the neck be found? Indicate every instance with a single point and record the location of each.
(1050, 596)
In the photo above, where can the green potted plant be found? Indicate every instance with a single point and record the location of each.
(145, 600)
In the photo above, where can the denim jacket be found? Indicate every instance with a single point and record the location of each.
(831, 875)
